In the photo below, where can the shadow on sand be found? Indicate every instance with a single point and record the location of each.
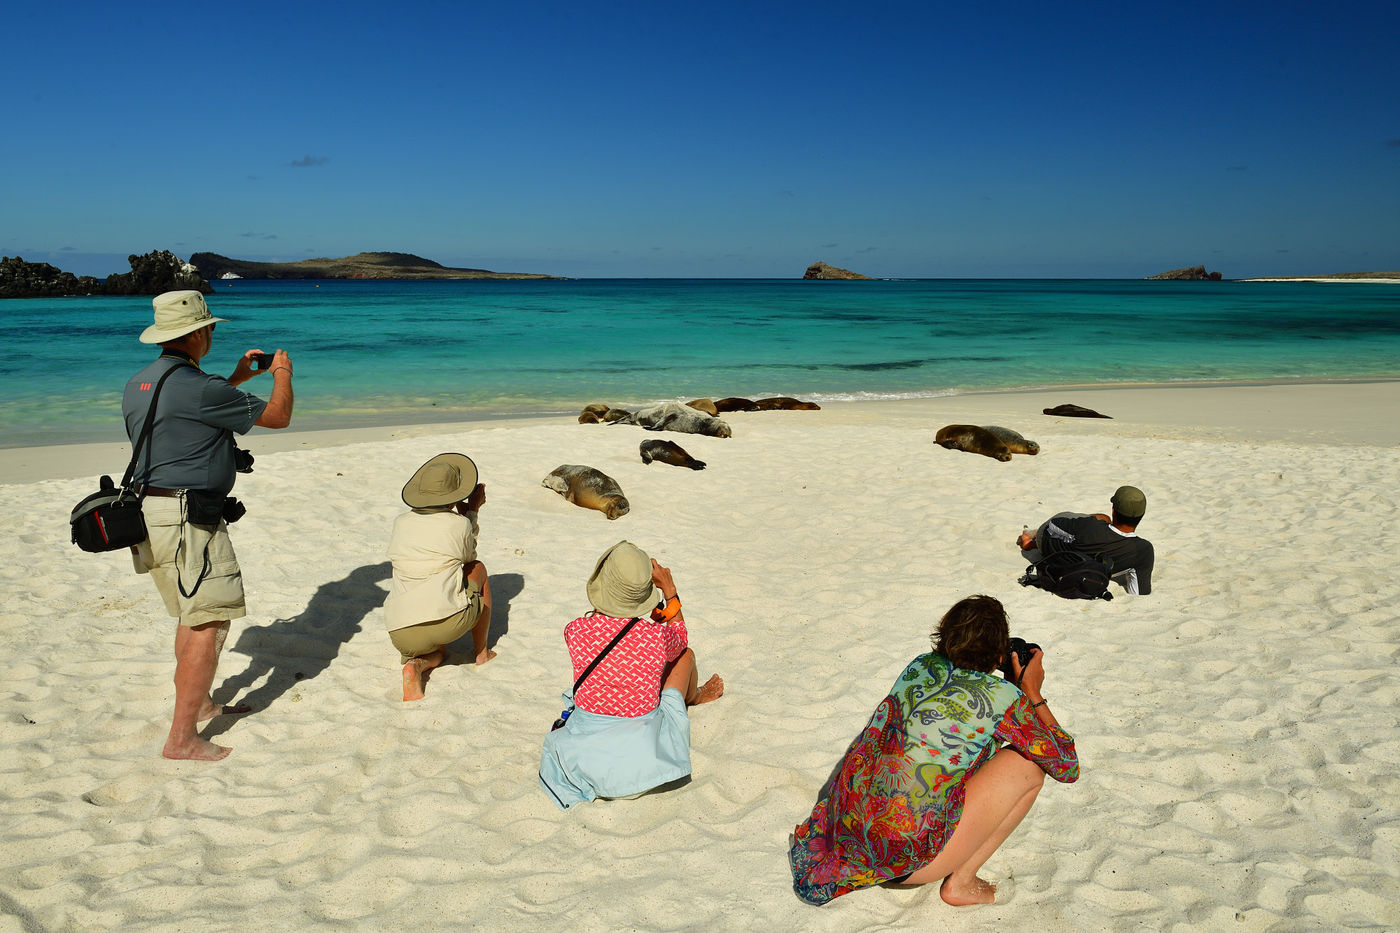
(288, 651)
(504, 588)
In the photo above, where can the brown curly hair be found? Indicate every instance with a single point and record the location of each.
(974, 634)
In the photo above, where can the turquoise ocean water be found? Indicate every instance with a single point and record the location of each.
(370, 352)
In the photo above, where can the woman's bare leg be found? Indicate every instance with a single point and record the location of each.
(681, 674)
(998, 797)
(476, 571)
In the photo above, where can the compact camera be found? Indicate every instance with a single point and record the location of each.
(262, 360)
(1021, 649)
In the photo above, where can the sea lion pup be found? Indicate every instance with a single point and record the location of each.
(613, 415)
(785, 403)
(669, 452)
(1073, 411)
(596, 413)
(974, 440)
(592, 489)
(1013, 440)
(672, 416)
(735, 404)
(704, 404)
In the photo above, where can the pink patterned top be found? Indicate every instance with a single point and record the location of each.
(628, 681)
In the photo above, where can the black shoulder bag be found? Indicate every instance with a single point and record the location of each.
(564, 716)
(110, 519)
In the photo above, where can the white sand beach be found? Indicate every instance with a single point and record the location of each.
(1237, 729)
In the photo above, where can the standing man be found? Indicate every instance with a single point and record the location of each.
(188, 467)
(1114, 536)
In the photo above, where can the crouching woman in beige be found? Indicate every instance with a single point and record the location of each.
(439, 590)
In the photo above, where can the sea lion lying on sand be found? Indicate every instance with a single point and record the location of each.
(785, 403)
(1073, 411)
(601, 412)
(735, 404)
(672, 416)
(974, 440)
(669, 452)
(1013, 440)
(704, 404)
(592, 489)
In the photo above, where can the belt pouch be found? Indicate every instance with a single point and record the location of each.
(203, 508)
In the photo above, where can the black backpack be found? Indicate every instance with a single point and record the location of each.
(1071, 575)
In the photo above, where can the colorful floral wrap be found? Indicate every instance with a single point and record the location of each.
(898, 794)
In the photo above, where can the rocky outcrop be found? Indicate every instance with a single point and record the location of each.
(155, 272)
(359, 266)
(1190, 274)
(20, 279)
(820, 270)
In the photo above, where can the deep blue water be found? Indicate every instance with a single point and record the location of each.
(384, 352)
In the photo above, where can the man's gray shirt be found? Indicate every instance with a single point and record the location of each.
(191, 445)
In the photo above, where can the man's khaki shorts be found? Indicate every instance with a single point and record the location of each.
(174, 555)
(427, 637)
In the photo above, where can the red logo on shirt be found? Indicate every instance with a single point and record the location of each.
(145, 387)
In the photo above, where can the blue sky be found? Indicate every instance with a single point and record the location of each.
(710, 139)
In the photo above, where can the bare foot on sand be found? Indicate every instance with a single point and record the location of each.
(713, 689)
(196, 749)
(485, 656)
(413, 679)
(210, 709)
(961, 893)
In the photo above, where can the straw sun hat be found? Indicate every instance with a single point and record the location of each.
(443, 480)
(621, 582)
(177, 314)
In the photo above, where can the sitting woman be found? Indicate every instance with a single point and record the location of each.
(923, 793)
(628, 731)
(439, 590)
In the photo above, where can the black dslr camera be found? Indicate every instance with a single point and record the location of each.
(1021, 649)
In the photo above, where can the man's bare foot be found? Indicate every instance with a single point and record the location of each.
(485, 656)
(960, 893)
(712, 689)
(413, 679)
(196, 749)
(210, 709)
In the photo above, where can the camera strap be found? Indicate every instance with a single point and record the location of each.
(144, 436)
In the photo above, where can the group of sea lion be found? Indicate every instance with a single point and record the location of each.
(600, 412)
(593, 489)
(992, 440)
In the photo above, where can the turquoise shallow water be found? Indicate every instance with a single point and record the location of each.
(388, 352)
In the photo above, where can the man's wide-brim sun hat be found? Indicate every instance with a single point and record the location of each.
(621, 582)
(1130, 502)
(178, 314)
(443, 480)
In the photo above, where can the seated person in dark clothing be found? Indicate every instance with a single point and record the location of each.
(1114, 537)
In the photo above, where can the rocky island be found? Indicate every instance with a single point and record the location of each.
(820, 270)
(359, 266)
(1189, 274)
(155, 272)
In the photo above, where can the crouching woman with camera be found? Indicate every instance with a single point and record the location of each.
(948, 766)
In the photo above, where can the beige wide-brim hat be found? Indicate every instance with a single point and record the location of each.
(178, 314)
(443, 480)
(621, 582)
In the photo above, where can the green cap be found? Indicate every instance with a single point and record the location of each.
(1129, 502)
